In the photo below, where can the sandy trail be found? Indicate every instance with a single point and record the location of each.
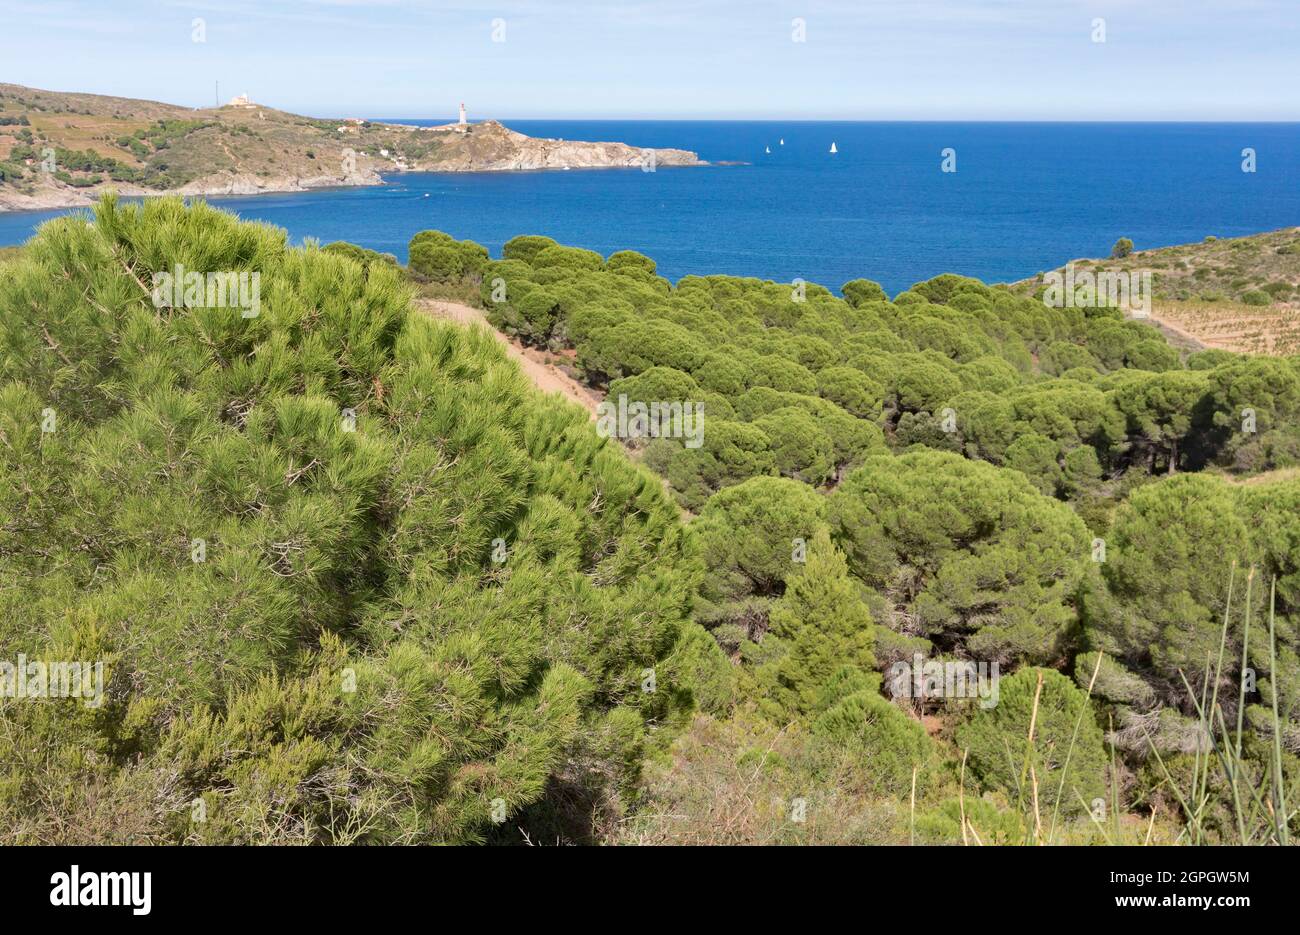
(545, 376)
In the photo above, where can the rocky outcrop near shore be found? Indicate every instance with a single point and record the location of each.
(60, 150)
(491, 146)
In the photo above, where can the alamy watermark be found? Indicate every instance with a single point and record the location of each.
(638, 419)
(921, 679)
(78, 887)
(1124, 289)
(38, 679)
(228, 289)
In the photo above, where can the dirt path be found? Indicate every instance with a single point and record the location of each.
(546, 376)
(1176, 335)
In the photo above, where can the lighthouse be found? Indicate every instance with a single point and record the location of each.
(463, 121)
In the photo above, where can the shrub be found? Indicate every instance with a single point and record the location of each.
(884, 743)
(347, 465)
(922, 385)
(825, 627)
(525, 247)
(972, 554)
(439, 263)
(748, 535)
(1000, 755)
(567, 258)
(801, 449)
(852, 389)
(629, 261)
(437, 256)
(661, 384)
(859, 292)
(360, 254)
(539, 310)
(1167, 561)
(721, 373)
(780, 373)
(732, 452)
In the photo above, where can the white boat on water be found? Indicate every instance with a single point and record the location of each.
(768, 150)
(833, 149)
(783, 141)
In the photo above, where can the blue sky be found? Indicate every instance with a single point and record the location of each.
(861, 59)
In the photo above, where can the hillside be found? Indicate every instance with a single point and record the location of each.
(146, 147)
(348, 578)
(961, 475)
(1235, 294)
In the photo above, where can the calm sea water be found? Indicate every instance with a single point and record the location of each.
(1024, 198)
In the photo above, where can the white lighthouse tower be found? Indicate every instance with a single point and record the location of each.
(462, 121)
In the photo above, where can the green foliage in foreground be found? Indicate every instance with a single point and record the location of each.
(968, 550)
(284, 534)
(354, 581)
(1059, 760)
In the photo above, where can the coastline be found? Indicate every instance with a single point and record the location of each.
(65, 197)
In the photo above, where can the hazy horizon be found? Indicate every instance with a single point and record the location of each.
(379, 117)
(915, 60)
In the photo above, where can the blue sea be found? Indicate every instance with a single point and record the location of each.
(1025, 197)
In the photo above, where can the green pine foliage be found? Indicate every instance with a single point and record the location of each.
(438, 257)
(879, 746)
(825, 629)
(967, 444)
(967, 555)
(1028, 746)
(353, 580)
(951, 364)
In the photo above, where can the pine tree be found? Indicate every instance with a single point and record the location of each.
(826, 627)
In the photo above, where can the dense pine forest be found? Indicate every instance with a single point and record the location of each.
(354, 580)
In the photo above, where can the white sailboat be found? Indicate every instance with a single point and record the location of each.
(833, 149)
(783, 141)
(768, 150)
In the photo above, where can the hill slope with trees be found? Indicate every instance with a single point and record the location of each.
(991, 480)
(951, 566)
(351, 578)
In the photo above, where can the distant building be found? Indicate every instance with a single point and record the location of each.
(241, 100)
(462, 120)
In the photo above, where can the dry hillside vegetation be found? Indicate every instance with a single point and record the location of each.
(145, 147)
(1238, 294)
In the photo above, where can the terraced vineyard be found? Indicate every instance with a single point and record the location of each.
(1235, 326)
(1240, 294)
